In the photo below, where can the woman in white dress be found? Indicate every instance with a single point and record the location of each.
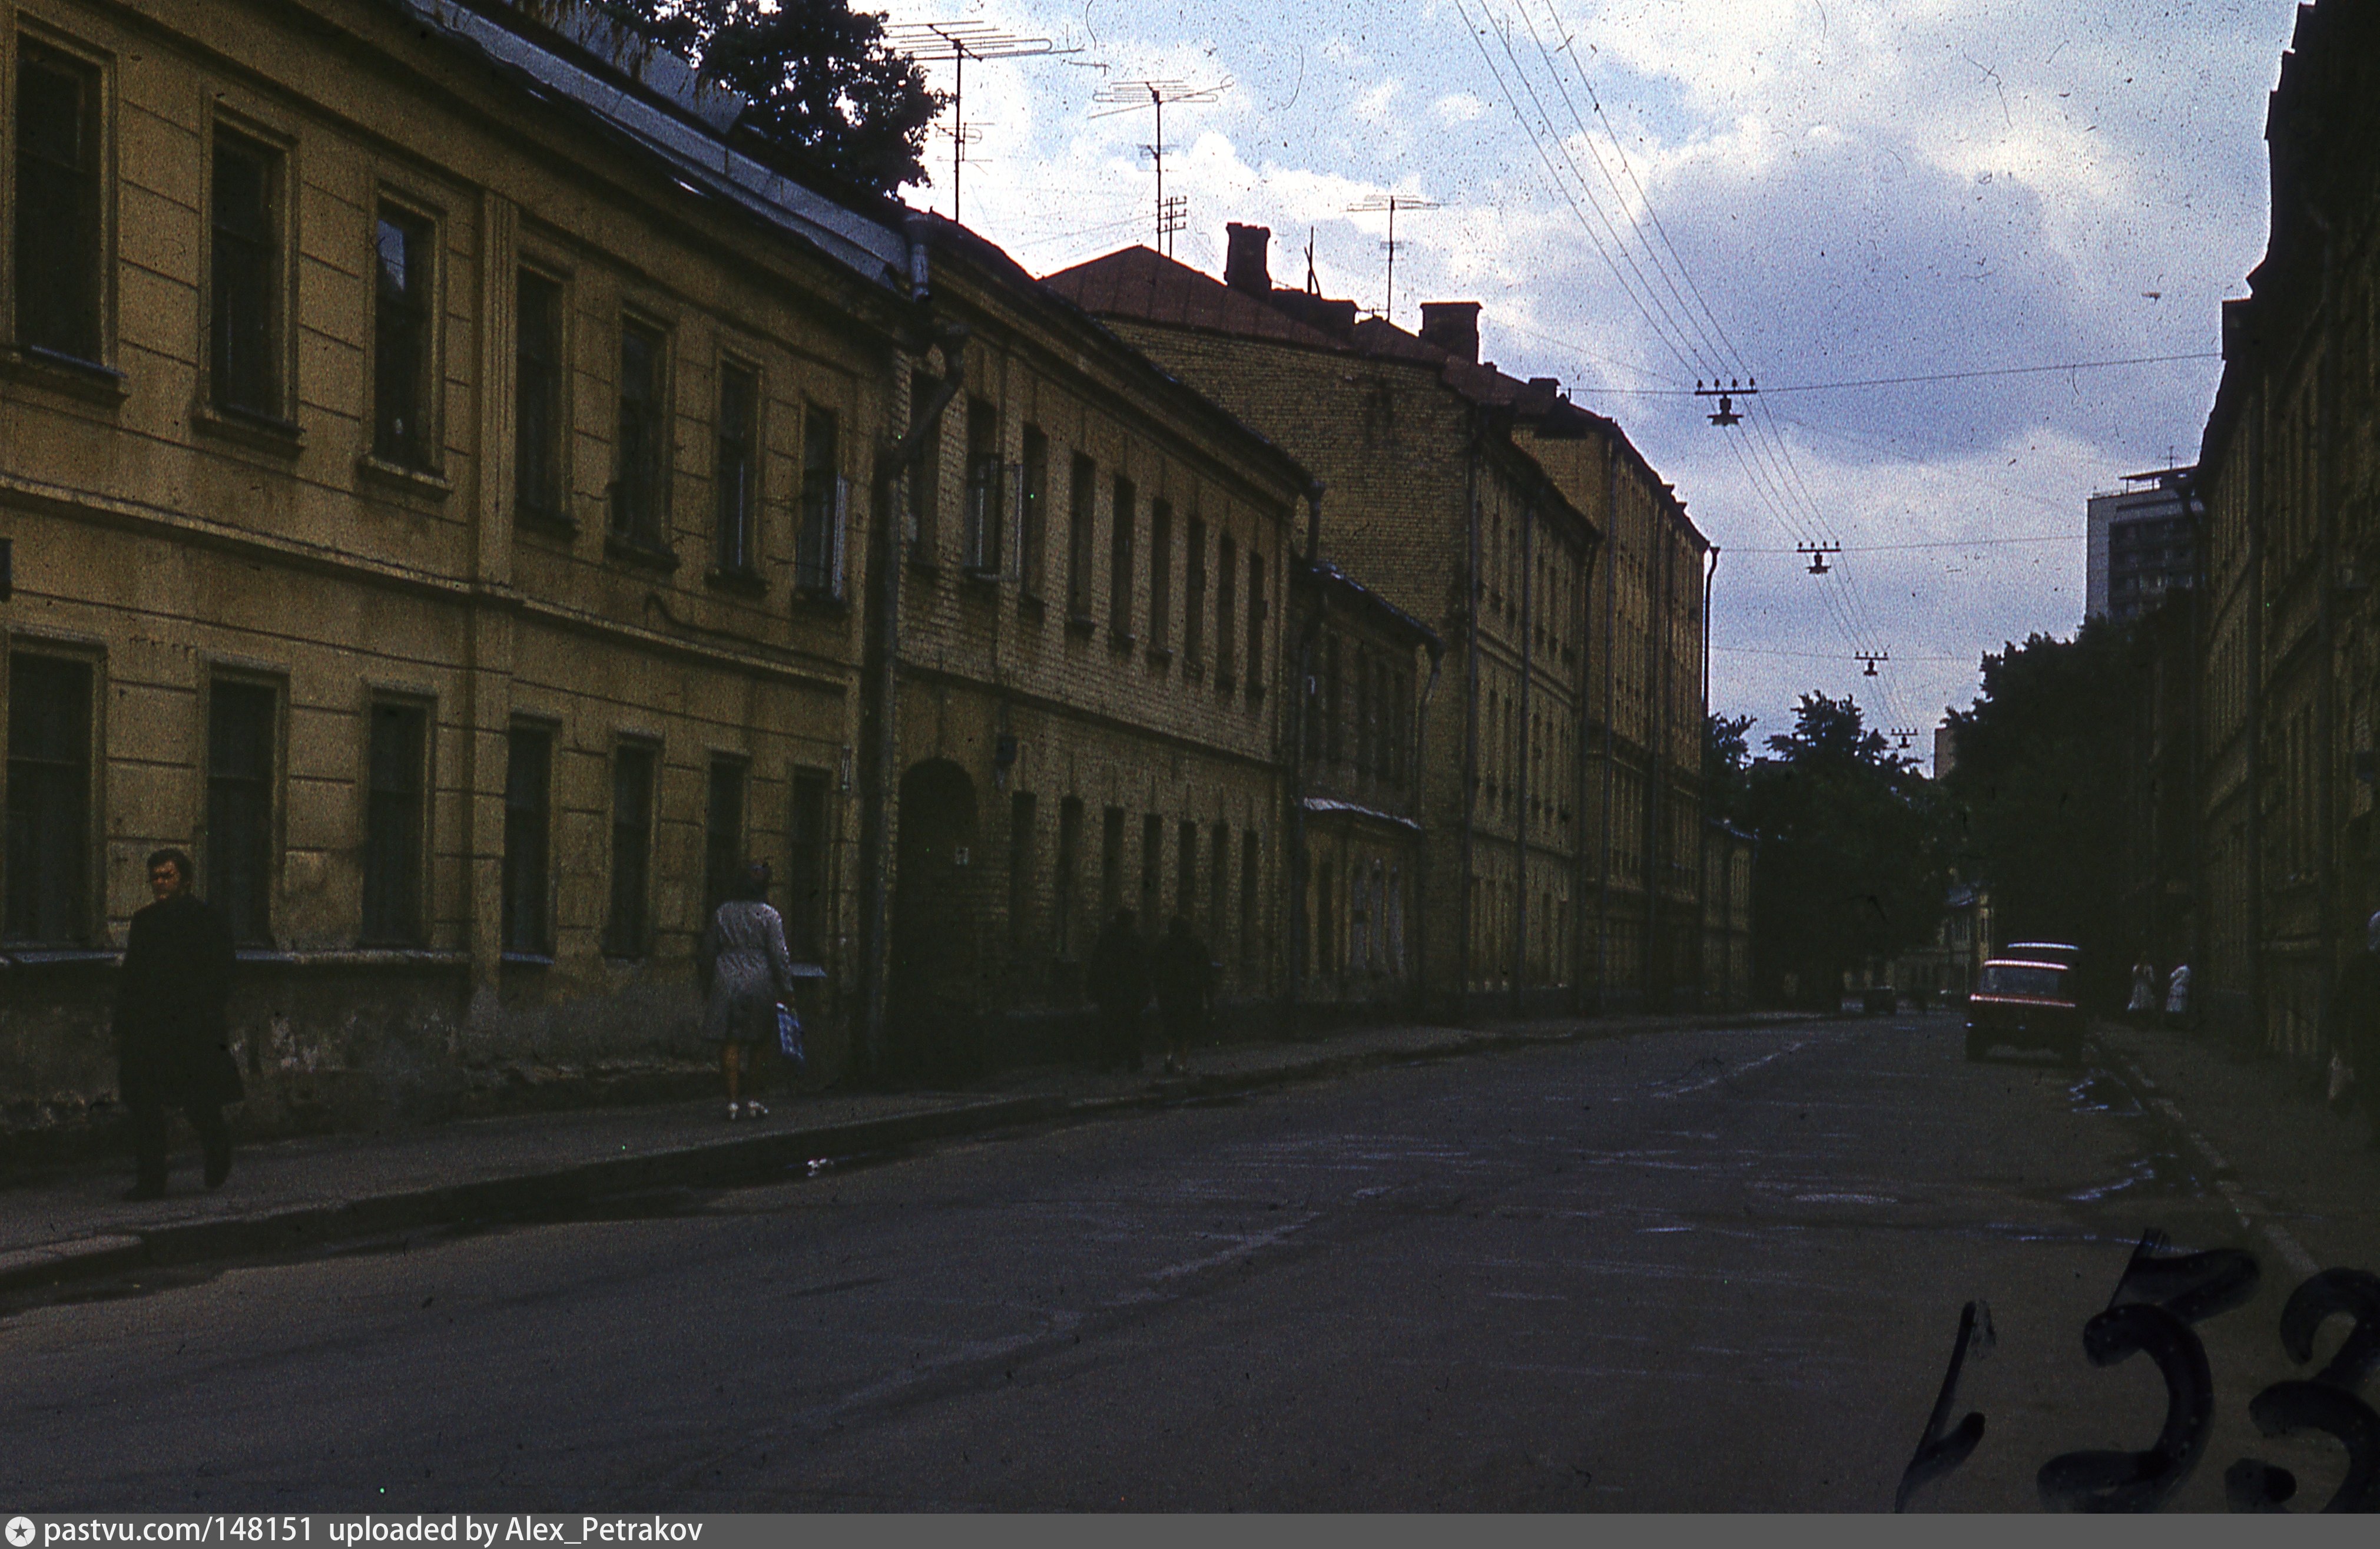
(746, 973)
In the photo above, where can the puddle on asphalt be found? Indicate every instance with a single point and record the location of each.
(2100, 1092)
(2160, 1173)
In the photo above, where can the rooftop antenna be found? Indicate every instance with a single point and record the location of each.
(1313, 285)
(1372, 204)
(959, 41)
(1871, 658)
(1817, 553)
(1726, 414)
(1131, 96)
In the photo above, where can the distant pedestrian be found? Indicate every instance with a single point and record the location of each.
(1186, 986)
(746, 973)
(2142, 1008)
(2350, 1029)
(2177, 999)
(171, 1025)
(1119, 986)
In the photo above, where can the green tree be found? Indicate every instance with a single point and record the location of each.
(1851, 867)
(2038, 787)
(1727, 764)
(829, 99)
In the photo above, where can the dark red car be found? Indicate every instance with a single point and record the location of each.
(2027, 1006)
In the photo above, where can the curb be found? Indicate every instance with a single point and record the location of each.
(720, 1160)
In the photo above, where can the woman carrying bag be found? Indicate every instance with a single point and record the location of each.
(748, 976)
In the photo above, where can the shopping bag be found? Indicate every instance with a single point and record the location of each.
(789, 1036)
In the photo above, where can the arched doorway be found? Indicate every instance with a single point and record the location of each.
(931, 1013)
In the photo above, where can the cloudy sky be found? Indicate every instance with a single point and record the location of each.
(1646, 193)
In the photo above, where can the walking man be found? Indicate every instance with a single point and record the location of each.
(1185, 983)
(1119, 986)
(171, 1025)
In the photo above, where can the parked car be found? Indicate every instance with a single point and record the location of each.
(2063, 953)
(2027, 1005)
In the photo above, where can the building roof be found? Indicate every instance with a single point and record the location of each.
(1146, 286)
(1385, 614)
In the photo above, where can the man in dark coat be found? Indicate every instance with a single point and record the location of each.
(1185, 978)
(1119, 986)
(171, 1025)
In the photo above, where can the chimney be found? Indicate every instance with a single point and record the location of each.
(1453, 327)
(1244, 260)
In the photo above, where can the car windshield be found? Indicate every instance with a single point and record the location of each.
(2021, 979)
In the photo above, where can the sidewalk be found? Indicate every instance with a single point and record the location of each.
(293, 1195)
(2264, 1140)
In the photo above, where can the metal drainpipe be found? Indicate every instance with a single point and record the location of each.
(1578, 771)
(1702, 807)
(2257, 1009)
(1472, 592)
(878, 684)
(1657, 746)
(1293, 763)
(1419, 953)
(1521, 764)
(2326, 852)
(1611, 708)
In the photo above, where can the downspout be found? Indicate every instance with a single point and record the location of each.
(2330, 843)
(1702, 805)
(1578, 771)
(1293, 763)
(1610, 698)
(2257, 436)
(1655, 751)
(1419, 914)
(880, 749)
(1521, 765)
(1470, 709)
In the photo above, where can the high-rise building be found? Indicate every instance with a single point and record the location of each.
(2140, 543)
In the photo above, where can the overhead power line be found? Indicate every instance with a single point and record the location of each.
(1932, 376)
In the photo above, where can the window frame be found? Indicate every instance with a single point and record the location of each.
(86, 911)
(745, 565)
(278, 245)
(556, 515)
(722, 870)
(23, 38)
(808, 919)
(538, 944)
(424, 455)
(627, 532)
(212, 862)
(825, 510)
(631, 939)
(410, 927)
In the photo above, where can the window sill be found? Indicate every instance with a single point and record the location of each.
(988, 579)
(70, 374)
(1160, 656)
(1122, 641)
(1080, 624)
(818, 600)
(545, 524)
(925, 562)
(1031, 602)
(745, 582)
(250, 428)
(525, 960)
(411, 481)
(28, 956)
(644, 555)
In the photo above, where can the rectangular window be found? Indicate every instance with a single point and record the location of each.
(401, 329)
(59, 262)
(737, 470)
(537, 396)
(1070, 867)
(1122, 519)
(818, 549)
(986, 489)
(1251, 961)
(1334, 724)
(49, 853)
(639, 492)
(528, 840)
(394, 802)
(1082, 512)
(924, 477)
(1160, 575)
(244, 322)
(1257, 609)
(723, 836)
(805, 854)
(1021, 843)
(1226, 599)
(1218, 862)
(241, 768)
(1186, 871)
(1033, 510)
(626, 929)
(1152, 872)
(1193, 593)
(1111, 864)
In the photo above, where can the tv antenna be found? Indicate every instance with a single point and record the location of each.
(1817, 554)
(1871, 658)
(959, 41)
(1725, 414)
(1131, 96)
(1373, 204)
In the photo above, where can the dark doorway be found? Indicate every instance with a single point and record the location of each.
(931, 993)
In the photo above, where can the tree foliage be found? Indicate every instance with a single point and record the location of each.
(2038, 783)
(1727, 764)
(829, 98)
(1849, 866)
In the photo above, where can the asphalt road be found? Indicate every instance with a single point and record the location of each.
(1682, 1271)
